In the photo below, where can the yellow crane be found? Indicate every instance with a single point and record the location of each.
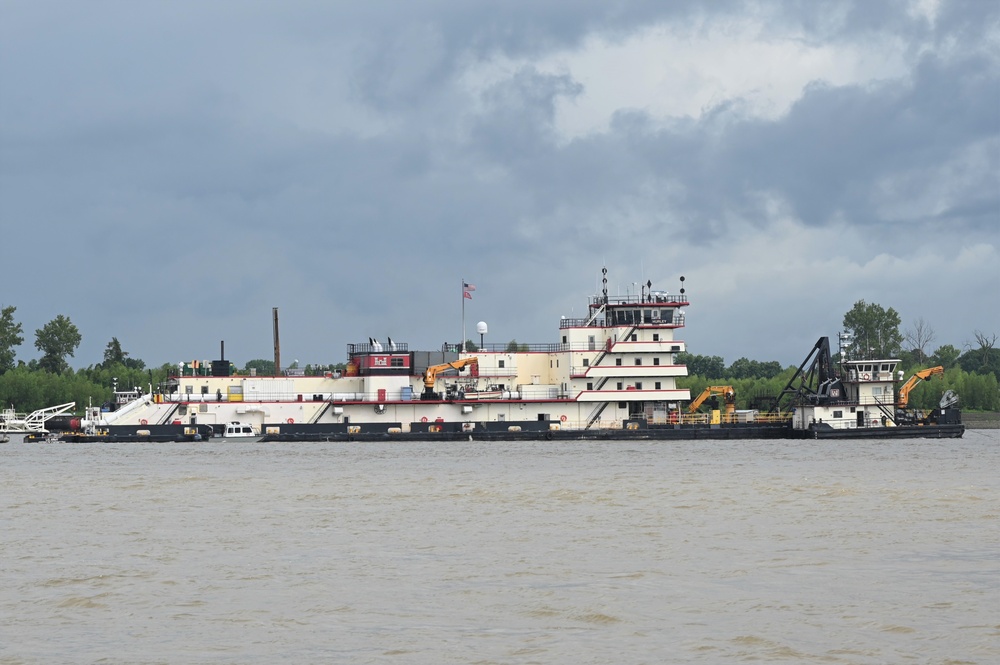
(728, 397)
(430, 376)
(903, 397)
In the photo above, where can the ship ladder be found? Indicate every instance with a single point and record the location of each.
(598, 410)
(319, 415)
(170, 414)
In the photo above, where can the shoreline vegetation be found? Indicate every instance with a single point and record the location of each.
(981, 419)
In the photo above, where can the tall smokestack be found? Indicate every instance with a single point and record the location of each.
(277, 344)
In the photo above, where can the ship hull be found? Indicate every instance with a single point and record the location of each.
(945, 431)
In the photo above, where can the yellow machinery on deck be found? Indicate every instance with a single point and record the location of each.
(430, 376)
(903, 397)
(728, 398)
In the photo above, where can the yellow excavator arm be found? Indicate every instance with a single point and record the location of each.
(903, 398)
(728, 395)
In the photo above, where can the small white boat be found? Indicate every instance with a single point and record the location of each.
(240, 430)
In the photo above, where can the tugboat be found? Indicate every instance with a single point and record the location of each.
(864, 400)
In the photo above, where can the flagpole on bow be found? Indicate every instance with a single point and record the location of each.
(464, 293)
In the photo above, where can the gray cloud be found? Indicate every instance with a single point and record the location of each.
(188, 167)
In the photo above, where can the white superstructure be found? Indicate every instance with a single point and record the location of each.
(617, 363)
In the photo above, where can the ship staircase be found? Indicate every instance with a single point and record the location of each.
(596, 414)
(599, 408)
(884, 408)
(315, 419)
(170, 414)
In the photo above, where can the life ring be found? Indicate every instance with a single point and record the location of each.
(563, 417)
(143, 422)
(424, 419)
(548, 436)
(865, 377)
(290, 421)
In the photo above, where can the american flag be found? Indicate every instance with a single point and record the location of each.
(467, 290)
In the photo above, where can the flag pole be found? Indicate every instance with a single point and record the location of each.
(463, 314)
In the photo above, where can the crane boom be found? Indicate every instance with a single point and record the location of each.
(729, 396)
(430, 376)
(903, 398)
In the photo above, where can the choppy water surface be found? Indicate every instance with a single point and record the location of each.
(702, 552)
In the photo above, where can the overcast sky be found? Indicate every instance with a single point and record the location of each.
(171, 171)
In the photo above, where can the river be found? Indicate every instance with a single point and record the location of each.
(584, 552)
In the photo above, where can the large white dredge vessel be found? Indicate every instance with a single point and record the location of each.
(612, 374)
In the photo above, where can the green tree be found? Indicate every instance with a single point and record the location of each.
(874, 331)
(57, 339)
(985, 359)
(113, 354)
(263, 367)
(709, 367)
(945, 356)
(514, 347)
(10, 336)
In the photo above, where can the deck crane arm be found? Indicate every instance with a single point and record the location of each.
(430, 375)
(903, 398)
(728, 395)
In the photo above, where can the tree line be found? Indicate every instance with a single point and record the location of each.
(870, 331)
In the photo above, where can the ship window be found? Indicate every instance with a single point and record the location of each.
(618, 361)
(619, 385)
(586, 362)
(396, 362)
(634, 337)
(647, 316)
(590, 385)
(657, 385)
(638, 385)
(838, 414)
(501, 364)
(203, 408)
(622, 405)
(188, 389)
(656, 337)
(564, 339)
(656, 361)
(204, 390)
(638, 361)
(886, 367)
(876, 390)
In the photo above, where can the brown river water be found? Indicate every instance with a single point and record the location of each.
(585, 552)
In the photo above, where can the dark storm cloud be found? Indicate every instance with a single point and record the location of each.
(213, 160)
